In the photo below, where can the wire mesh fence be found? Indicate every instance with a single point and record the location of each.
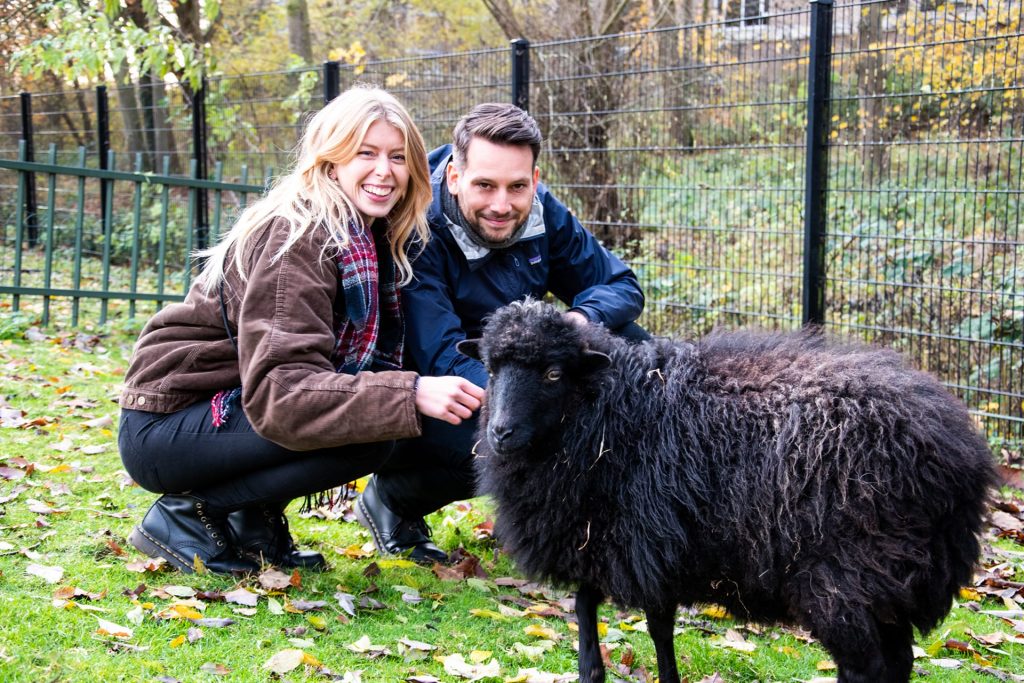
(686, 150)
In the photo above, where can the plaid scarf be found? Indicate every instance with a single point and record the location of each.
(368, 328)
(367, 315)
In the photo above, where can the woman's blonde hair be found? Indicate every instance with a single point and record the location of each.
(309, 200)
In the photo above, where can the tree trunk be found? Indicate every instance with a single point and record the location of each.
(871, 86)
(299, 41)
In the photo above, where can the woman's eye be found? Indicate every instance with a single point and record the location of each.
(399, 158)
(553, 375)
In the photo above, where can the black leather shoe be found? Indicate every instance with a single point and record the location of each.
(393, 535)
(180, 528)
(261, 533)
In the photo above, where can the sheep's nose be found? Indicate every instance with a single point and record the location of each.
(501, 432)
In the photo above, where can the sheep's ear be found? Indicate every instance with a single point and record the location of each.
(594, 361)
(469, 347)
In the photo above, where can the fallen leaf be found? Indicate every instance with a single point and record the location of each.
(347, 602)
(307, 605)
(242, 596)
(103, 421)
(357, 551)
(487, 614)
(543, 632)
(274, 580)
(396, 563)
(537, 676)
(409, 594)
(413, 650)
(109, 628)
(286, 660)
(215, 669)
(946, 663)
(535, 651)
(456, 665)
(147, 565)
(363, 646)
(178, 642)
(180, 591)
(48, 574)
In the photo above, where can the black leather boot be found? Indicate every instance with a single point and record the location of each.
(392, 534)
(261, 533)
(180, 528)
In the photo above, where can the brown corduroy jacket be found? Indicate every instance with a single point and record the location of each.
(283, 321)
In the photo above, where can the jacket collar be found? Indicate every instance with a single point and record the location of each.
(475, 254)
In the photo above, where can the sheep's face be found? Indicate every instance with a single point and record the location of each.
(537, 361)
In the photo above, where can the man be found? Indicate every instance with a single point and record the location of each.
(497, 236)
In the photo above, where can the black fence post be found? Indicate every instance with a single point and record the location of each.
(103, 150)
(31, 203)
(521, 73)
(332, 81)
(819, 76)
(201, 229)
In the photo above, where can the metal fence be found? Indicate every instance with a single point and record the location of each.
(856, 164)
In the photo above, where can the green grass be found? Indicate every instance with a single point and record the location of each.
(70, 377)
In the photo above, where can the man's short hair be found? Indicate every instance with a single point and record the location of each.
(502, 124)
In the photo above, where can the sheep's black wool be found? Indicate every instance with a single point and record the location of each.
(785, 476)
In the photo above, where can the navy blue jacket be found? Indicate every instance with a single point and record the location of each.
(455, 286)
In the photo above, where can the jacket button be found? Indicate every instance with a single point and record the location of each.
(131, 398)
(142, 400)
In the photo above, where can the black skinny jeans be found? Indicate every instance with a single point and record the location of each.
(232, 467)
(426, 473)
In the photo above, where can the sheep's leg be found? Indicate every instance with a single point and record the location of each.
(660, 625)
(852, 638)
(897, 650)
(591, 666)
(846, 629)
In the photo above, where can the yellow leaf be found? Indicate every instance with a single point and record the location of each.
(969, 594)
(401, 564)
(185, 612)
(319, 623)
(715, 612)
(198, 565)
(487, 614)
(177, 642)
(538, 631)
(286, 660)
(357, 552)
(479, 656)
(825, 665)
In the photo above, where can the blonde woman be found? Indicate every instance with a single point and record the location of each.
(280, 374)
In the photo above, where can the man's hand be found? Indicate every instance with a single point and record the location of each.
(451, 399)
(576, 317)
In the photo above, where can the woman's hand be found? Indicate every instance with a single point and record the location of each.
(452, 399)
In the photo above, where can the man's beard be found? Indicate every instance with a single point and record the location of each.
(488, 241)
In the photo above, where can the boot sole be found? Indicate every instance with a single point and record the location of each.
(154, 548)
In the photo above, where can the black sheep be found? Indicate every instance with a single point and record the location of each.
(784, 476)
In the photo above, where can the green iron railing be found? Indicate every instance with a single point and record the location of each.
(124, 221)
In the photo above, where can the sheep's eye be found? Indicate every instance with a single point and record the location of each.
(553, 374)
